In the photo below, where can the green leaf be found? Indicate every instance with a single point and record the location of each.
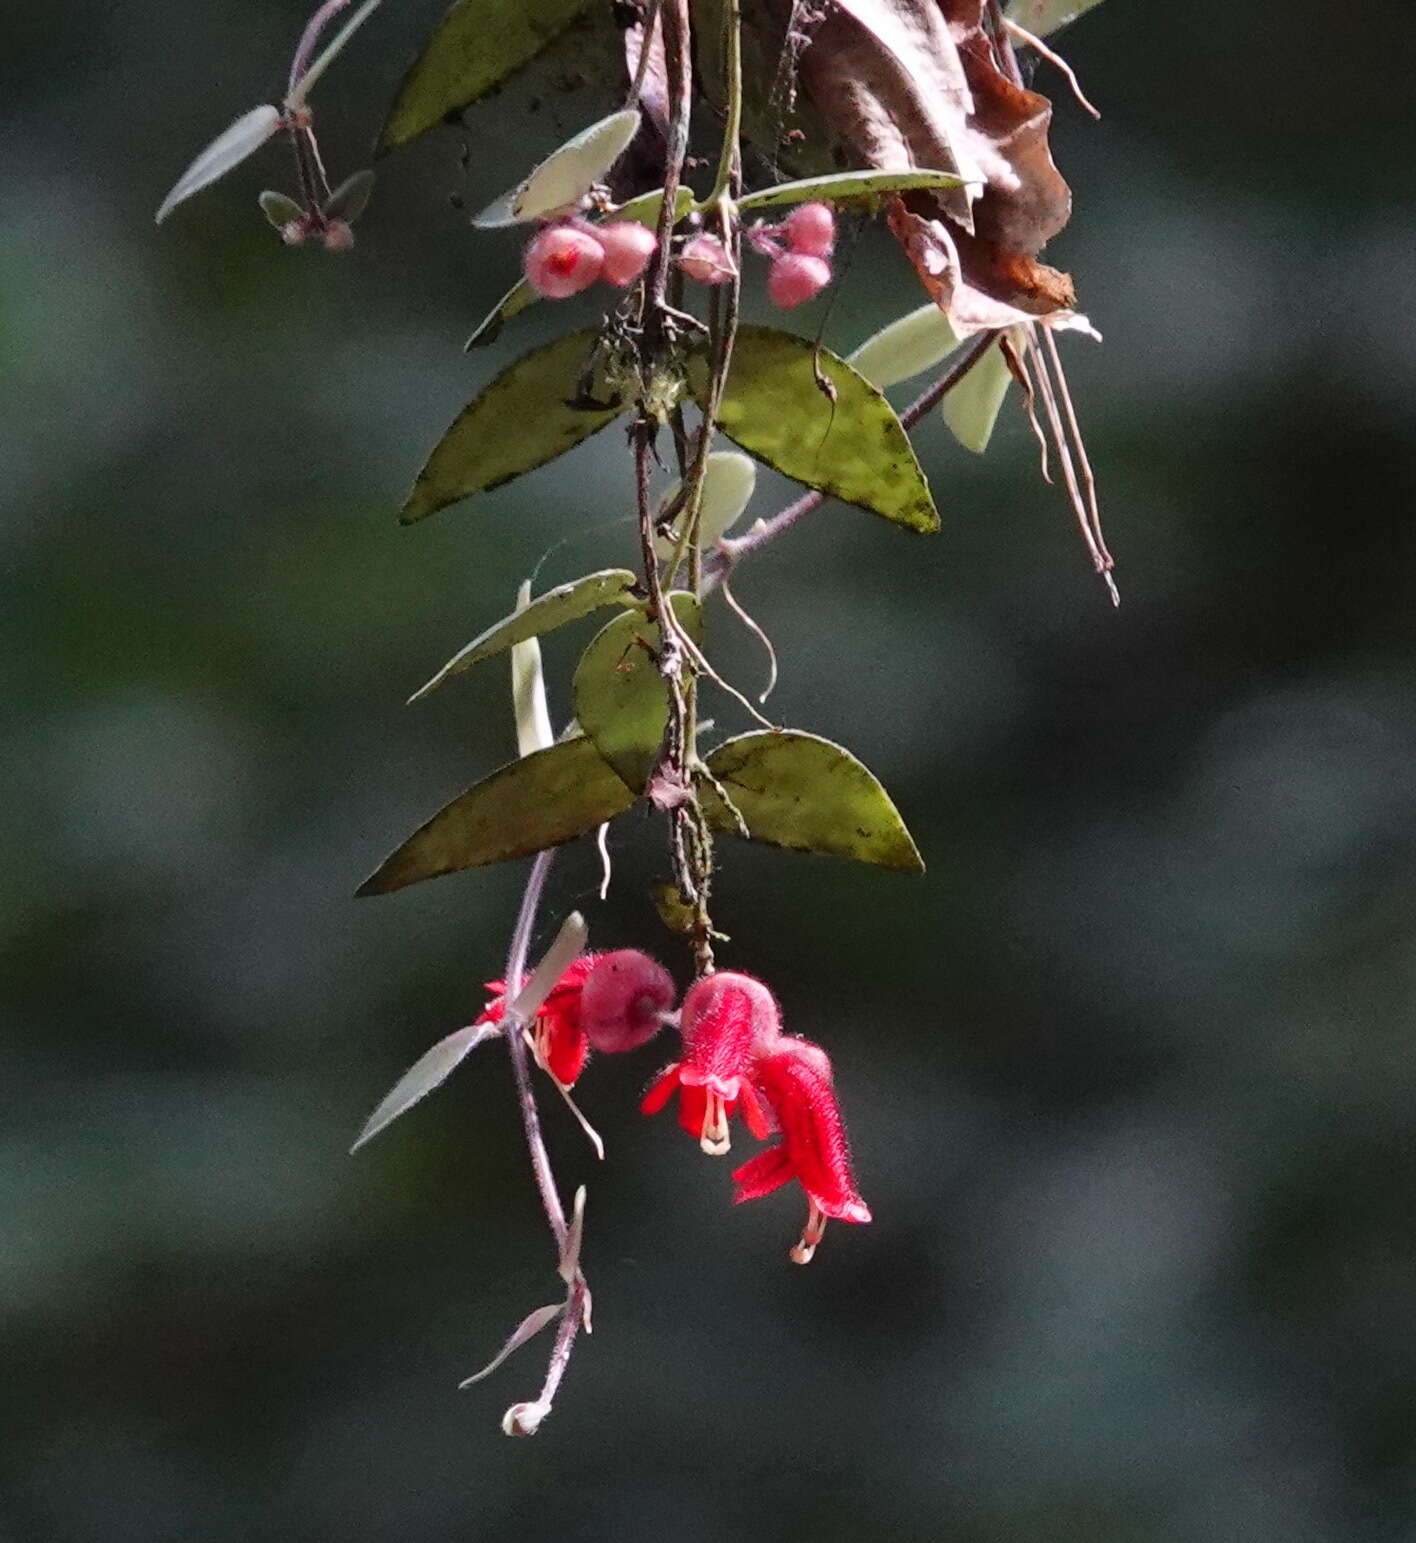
(539, 801)
(518, 422)
(853, 448)
(972, 407)
(528, 688)
(728, 483)
(429, 1071)
(620, 698)
(1043, 16)
(643, 210)
(476, 46)
(520, 297)
(566, 175)
(249, 132)
(908, 346)
(279, 209)
(565, 603)
(798, 791)
(846, 184)
(351, 197)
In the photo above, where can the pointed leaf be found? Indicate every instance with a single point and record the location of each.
(574, 1237)
(567, 946)
(643, 210)
(528, 689)
(799, 791)
(518, 422)
(429, 1071)
(1043, 16)
(539, 801)
(565, 603)
(520, 297)
(728, 483)
(906, 347)
(475, 47)
(846, 184)
(620, 698)
(972, 407)
(529, 1327)
(279, 209)
(852, 448)
(249, 132)
(566, 175)
(351, 197)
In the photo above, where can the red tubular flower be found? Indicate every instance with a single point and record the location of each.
(728, 1022)
(796, 1081)
(558, 1040)
(609, 1002)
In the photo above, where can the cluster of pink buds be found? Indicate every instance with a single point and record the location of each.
(736, 1059)
(571, 255)
(798, 250)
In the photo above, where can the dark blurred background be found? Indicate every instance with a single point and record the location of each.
(1129, 1073)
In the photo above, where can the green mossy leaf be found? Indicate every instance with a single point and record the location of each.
(853, 448)
(620, 699)
(518, 422)
(846, 184)
(475, 47)
(539, 801)
(565, 603)
(798, 791)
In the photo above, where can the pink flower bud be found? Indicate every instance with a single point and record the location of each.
(624, 998)
(561, 261)
(337, 236)
(793, 279)
(705, 260)
(628, 247)
(810, 229)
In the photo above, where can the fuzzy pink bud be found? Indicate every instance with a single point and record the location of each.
(561, 261)
(810, 230)
(628, 247)
(705, 260)
(337, 236)
(624, 999)
(794, 278)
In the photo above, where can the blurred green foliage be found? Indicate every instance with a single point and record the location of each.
(1129, 1071)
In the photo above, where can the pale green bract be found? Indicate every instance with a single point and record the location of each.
(728, 482)
(972, 407)
(906, 347)
(566, 175)
(249, 132)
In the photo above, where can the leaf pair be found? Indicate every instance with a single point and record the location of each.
(847, 442)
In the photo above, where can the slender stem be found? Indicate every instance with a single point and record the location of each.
(675, 24)
(309, 37)
(516, 1045)
(732, 128)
